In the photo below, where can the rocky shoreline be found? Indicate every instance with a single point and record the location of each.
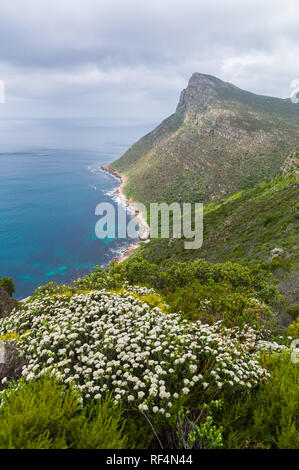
(144, 236)
(111, 171)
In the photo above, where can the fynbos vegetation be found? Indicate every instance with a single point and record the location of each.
(175, 348)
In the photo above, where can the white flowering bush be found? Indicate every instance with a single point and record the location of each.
(107, 342)
(138, 289)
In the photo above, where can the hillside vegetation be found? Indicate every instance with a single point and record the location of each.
(246, 226)
(175, 348)
(220, 140)
(108, 365)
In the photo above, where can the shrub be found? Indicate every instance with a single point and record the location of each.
(293, 329)
(50, 288)
(219, 301)
(116, 343)
(293, 311)
(268, 417)
(199, 435)
(235, 293)
(8, 284)
(43, 414)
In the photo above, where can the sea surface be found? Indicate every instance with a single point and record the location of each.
(48, 198)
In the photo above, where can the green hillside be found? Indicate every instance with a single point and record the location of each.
(260, 225)
(244, 227)
(220, 140)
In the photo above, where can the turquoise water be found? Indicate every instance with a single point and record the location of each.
(47, 215)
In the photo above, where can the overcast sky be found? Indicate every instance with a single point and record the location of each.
(129, 59)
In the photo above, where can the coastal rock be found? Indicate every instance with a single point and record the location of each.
(11, 368)
(276, 252)
(112, 171)
(7, 304)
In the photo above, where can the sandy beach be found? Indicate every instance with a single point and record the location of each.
(145, 229)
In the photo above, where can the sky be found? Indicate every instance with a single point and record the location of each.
(126, 61)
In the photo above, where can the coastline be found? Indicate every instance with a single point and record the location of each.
(144, 236)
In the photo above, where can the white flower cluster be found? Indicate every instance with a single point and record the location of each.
(138, 289)
(105, 342)
(272, 346)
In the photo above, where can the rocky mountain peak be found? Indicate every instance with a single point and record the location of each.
(201, 91)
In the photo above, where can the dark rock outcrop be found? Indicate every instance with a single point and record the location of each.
(7, 304)
(11, 368)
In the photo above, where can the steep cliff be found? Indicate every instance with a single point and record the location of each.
(221, 139)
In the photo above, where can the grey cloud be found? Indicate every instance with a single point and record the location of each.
(127, 58)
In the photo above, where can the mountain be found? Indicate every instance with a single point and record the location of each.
(220, 140)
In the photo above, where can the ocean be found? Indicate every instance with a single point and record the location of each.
(48, 198)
